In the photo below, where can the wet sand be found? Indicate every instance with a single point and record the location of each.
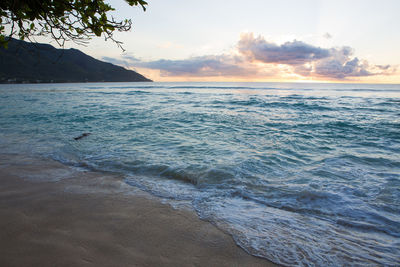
(52, 215)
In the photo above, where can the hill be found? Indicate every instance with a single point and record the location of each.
(25, 62)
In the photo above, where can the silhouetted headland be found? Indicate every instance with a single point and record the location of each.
(25, 62)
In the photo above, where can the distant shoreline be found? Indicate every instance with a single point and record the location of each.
(24, 62)
(58, 82)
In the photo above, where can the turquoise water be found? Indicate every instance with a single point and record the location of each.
(301, 174)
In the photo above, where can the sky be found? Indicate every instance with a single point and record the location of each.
(258, 40)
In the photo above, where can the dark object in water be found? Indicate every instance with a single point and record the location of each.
(82, 135)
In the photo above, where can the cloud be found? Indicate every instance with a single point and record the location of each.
(338, 65)
(292, 53)
(383, 67)
(255, 57)
(115, 61)
(308, 60)
(327, 35)
(126, 60)
(336, 69)
(221, 65)
(130, 58)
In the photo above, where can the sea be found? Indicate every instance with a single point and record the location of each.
(302, 174)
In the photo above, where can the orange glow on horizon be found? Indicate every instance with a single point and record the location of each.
(157, 76)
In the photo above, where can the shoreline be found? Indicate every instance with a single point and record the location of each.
(54, 215)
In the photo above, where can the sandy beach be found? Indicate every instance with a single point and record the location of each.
(53, 215)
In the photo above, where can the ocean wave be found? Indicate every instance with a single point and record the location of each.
(301, 174)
